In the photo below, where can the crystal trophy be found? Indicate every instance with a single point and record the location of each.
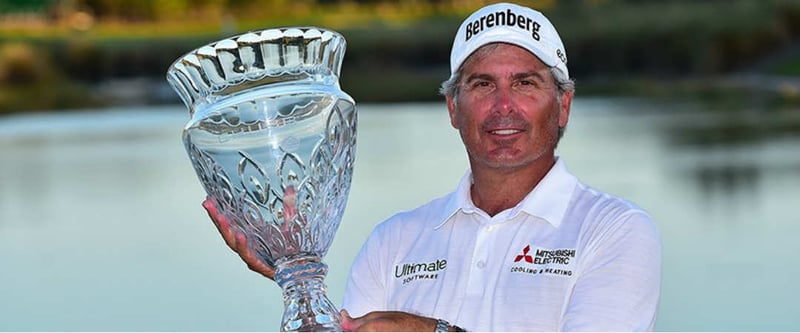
(272, 139)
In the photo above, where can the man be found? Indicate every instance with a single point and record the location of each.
(521, 244)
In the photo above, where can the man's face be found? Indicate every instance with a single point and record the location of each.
(507, 110)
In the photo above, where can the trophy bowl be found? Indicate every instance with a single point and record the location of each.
(272, 139)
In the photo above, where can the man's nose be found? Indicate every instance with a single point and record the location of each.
(504, 102)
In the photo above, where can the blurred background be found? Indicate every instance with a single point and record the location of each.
(691, 109)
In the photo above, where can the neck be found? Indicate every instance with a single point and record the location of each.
(495, 190)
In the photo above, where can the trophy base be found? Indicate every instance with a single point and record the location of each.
(306, 307)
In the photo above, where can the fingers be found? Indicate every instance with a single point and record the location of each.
(365, 323)
(348, 323)
(237, 241)
(250, 258)
(220, 222)
(387, 321)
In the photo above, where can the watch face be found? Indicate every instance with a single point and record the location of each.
(442, 326)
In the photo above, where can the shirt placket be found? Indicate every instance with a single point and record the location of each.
(479, 267)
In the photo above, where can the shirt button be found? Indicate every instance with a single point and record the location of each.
(481, 264)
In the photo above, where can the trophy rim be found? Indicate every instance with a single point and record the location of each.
(255, 58)
(172, 66)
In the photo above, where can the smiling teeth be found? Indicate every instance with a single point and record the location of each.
(505, 132)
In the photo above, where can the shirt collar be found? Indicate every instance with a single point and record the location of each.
(548, 200)
(460, 199)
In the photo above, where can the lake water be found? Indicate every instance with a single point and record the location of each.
(101, 227)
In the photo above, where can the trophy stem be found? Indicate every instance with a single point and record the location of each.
(306, 307)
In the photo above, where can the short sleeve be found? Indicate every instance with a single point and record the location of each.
(620, 285)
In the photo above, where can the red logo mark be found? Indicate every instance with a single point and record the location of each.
(525, 255)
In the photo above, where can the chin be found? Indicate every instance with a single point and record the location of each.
(504, 163)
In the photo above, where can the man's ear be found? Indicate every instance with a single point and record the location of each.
(564, 108)
(451, 109)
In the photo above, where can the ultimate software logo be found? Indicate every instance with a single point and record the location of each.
(410, 272)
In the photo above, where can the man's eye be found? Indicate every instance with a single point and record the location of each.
(528, 85)
(481, 86)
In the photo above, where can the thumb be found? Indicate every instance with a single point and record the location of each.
(210, 205)
(348, 323)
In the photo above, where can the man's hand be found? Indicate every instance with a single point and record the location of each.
(387, 321)
(236, 240)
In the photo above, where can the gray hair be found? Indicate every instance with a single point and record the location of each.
(564, 84)
(450, 87)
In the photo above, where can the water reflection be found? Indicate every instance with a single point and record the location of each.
(727, 180)
(728, 153)
(101, 227)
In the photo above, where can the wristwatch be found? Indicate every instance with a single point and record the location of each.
(443, 326)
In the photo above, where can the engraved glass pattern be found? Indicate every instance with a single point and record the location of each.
(272, 140)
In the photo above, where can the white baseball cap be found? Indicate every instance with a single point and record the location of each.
(513, 24)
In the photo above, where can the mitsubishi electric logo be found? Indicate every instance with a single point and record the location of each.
(525, 255)
(543, 257)
(410, 272)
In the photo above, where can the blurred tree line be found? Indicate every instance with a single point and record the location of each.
(63, 53)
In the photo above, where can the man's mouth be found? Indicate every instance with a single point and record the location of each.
(505, 131)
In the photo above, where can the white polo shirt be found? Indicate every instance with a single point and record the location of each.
(568, 257)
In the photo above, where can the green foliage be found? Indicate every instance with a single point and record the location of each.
(23, 6)
(21, 64)
(29, 81)
(790, 68)
(399, 50)
(676, 38)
